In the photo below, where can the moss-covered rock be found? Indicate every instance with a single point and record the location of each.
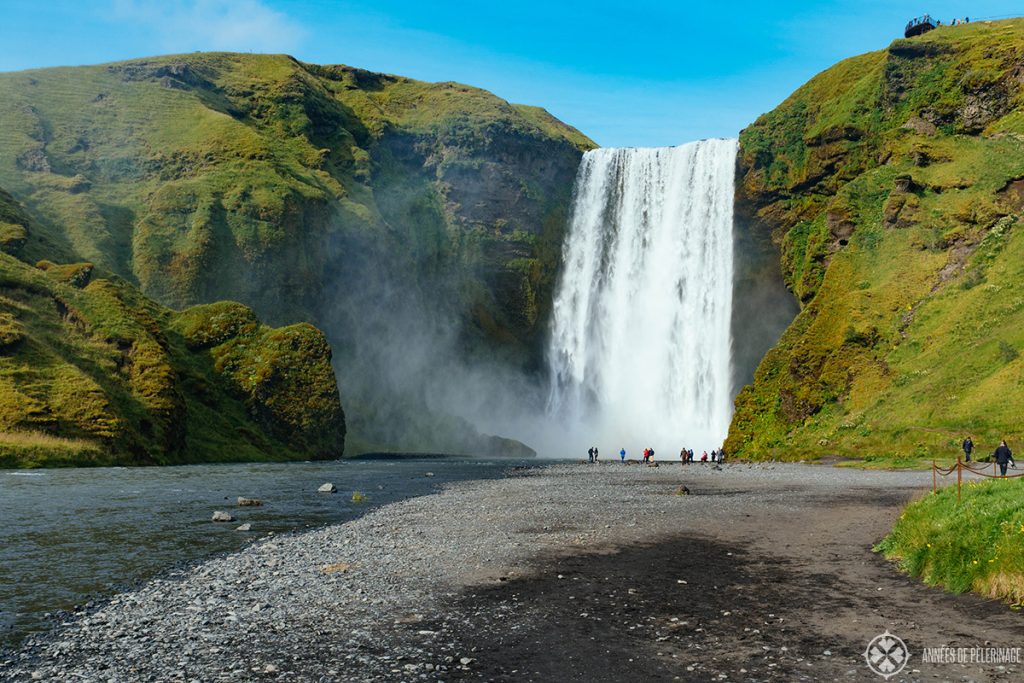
(885, 184)
(74, 274)
(213, 324)
(288, 384)
(93, 372)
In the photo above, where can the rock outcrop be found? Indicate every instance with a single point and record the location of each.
(92, 372)
(883, 182)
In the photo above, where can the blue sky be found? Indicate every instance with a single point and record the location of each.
(635, 73)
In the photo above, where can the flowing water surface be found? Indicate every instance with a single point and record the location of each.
(641, 340)
(69, 535)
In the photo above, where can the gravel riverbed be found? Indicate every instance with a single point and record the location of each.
(568, 572)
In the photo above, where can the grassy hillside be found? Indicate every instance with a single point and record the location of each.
(92, 372)
(976, 545)
(893, 185)
(373, 206)
(261, 179)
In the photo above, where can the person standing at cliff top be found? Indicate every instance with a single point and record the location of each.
(968, 446)
(1004, 457)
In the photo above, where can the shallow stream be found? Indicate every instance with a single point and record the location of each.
(71, 535)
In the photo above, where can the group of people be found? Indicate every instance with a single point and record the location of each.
(687, 455)
(927, 19)
(1002, 455)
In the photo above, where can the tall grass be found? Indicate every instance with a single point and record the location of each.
(975, 545)
(34, 449)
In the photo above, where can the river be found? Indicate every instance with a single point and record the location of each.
(68, 536)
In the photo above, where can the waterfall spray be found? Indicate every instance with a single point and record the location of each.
(640, 346)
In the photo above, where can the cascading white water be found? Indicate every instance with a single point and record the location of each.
(640, 347)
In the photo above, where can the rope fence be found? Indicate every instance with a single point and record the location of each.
(959, 468)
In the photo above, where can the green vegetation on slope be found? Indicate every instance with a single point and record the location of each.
(92, 372)
(261, 179)
(977, 544)
(323, 194)
(893, 185)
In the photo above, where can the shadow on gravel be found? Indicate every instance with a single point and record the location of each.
(685, 609)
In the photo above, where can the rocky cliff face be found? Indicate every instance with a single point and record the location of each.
(260, 178)
(312, 193)
(890, 185)
(93, 372)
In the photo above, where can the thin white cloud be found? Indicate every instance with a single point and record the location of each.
(233, 25)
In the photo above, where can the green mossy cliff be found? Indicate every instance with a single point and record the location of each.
(92, 372)
(376, 207)
(893, 186)
(266, 180)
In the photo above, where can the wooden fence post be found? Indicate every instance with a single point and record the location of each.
(959, 477)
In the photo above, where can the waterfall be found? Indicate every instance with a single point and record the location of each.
(640, 345)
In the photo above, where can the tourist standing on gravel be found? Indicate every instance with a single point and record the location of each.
(968, 446)
(683, 456)
(1004, 457)
(622, 455)
(590, 454)
(595, 453)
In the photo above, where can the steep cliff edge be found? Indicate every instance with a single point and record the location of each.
(94, 373)
(893, 185)
(265, 180)
(384, 210)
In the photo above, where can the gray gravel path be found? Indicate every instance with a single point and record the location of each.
(384, 597)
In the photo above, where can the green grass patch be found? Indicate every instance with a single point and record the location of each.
(974, 545)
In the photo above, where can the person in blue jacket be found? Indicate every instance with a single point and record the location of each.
(1004, 457)
(622, 455)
